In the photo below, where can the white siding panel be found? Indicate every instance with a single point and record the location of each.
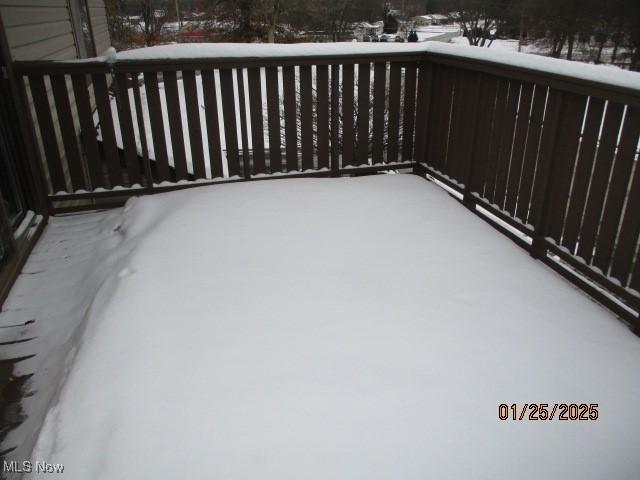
(14, 16)
(36, 33)
(34, 3)
(99, 25)
(45, 49)
(97, 10)
(99, 20)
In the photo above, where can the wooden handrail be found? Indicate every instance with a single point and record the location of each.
(547, 152)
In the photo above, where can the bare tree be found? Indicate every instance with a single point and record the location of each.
(273, 9)
(153, 14)
(480, 20)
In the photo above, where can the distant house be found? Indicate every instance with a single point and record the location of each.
(441, 19)
(366, 29)
(422, 20)
(431, 19)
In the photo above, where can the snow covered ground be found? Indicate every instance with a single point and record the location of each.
(499, 44)
(333, 328)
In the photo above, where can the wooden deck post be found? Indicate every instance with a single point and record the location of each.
(422, 121)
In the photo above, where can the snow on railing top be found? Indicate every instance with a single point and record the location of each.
(196, 53)
(223, 51)
(603, 74)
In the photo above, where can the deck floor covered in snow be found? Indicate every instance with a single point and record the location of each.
(332, 328)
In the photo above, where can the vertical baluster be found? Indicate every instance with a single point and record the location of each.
(519, 141)
(546, 155)
(109, 145)
(142, 132)
(395, 78)
(257, 129)
(564, 162)
(126, 128)
(210, 98)
(174, 117)
(322, 114)
(273, 113)
(600, 179)
(379, 94)
(193, 121)
(617, 191)
(348, 139)
(335, 120)
(157, 126)
(88, 134)
(290, 117)
(230, 126)
(364, 94)
(67, 129)
(47, 133)
(306, 116)
(584, 167)
(531, 153)
(408, 111)
(506, 144)
(246, 165)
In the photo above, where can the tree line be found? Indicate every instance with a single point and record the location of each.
(589, 30)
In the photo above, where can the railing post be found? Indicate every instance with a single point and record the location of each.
(423, 103)
(546, 159)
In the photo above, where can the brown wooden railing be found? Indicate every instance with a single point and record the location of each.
(307, 109)
(552, 158)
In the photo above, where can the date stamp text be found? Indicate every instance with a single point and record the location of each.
(545, 411)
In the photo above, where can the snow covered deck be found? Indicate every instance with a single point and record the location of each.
(318, 328)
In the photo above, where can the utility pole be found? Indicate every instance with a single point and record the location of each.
(520, 37)
(178, 14)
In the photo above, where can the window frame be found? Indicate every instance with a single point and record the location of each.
(78, 9)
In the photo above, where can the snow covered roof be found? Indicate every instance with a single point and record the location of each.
(371, 25)
(433, 16)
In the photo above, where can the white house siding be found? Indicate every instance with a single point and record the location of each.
(38, 29)
(43, 30)
(98, 16)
